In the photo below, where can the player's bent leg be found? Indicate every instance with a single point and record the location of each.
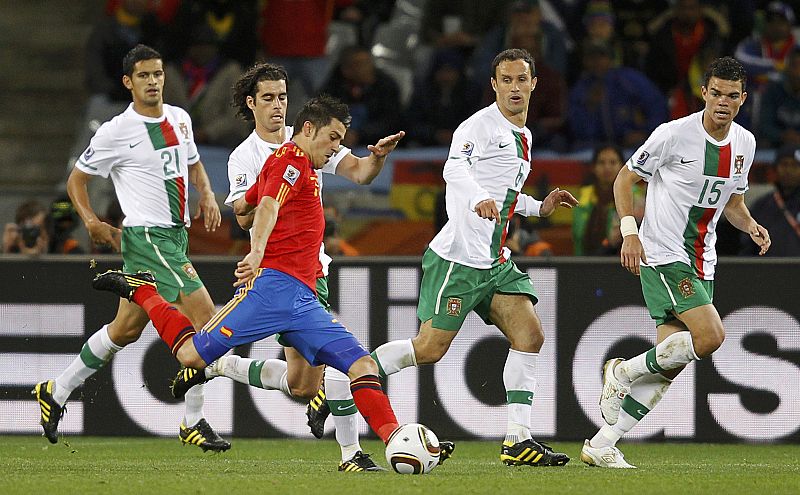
(706, 328)
(304, 379)
(516, 317)
(128, 324)
(431, 344)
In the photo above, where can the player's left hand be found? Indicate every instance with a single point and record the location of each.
(208, 208)
(247, 268)
(556, 198)
(385, 146)
(760, 236)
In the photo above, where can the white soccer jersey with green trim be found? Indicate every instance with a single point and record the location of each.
(148, 160)
(691, 177)
(246, 161)
(489, 158)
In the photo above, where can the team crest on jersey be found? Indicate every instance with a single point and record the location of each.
(240, 180)
(642, 158)
(467, 147)
(88, 153)
(453, 306)
(184, 130)
(738, 163)
(188, 269)
(686, 288)
(291, 174)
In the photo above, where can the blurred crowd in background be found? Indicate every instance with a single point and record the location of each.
(609, 72)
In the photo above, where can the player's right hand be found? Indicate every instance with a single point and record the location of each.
(488, 209)
(631, 253)
(247, 268)
(103, 234)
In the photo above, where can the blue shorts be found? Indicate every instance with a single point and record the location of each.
(276, 302)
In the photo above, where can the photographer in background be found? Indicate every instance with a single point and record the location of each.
(28, 234)
(63, 219)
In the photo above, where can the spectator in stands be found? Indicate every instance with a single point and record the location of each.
(233, 23)
(459, 24)
(524, 240)
(130, 23)
(294, 34)
(63, 220)
(779, 116)
(29, 233)
(608, 104)
(677, 36)
(201, 84)
(632, 18)
(443, 99)
(520, 13)
(779, 211)
(598, 22)
(766, 52)
(373, 97)
(595, 223)
(547, 110)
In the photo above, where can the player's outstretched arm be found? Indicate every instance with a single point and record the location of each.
(207, 206)
(364, 170)
(556, 198)
(738, 215)
(101, 233)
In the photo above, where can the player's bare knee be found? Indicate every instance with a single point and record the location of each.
(122, 335)
(530, 341)
(429, 351)
(189, 358)
(708, 341)
(303, 390)
(364, 365)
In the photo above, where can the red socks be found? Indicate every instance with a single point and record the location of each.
(374, 405)
(172, 326)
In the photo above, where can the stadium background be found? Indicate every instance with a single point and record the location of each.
(591, 308)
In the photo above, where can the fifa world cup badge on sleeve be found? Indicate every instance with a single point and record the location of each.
(642, 158)
(291, 174)
(467, 147)
(240, 180)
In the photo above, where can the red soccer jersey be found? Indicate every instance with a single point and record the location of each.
(293, 246)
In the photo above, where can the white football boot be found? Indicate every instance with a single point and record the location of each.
(607, 457)
(613, 392)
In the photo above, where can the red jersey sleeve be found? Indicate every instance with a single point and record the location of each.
(286, 175)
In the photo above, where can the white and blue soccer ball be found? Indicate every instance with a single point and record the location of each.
(413, 449)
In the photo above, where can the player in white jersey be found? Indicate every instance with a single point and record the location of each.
(696, 168)
(260, 95)
(150, 154)
(467, 267)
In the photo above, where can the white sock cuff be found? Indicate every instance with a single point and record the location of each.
(284, 384)
(529, 355)
(411, 352)
(332, 373)
(106, 341)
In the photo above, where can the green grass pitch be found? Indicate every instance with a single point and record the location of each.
(150, 466)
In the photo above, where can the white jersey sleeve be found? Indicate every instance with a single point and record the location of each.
(333, 161)
(241, 175)
(655, 152)
(101, 155)
(469, 142)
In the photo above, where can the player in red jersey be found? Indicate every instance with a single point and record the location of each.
(277, 279)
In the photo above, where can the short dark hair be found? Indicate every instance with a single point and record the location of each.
(137, 54)
(320, 111)
(247, 85)
(607, 146)
(510, 55)
(726, 68)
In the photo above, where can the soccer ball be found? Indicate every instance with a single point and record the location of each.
(412, 449)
